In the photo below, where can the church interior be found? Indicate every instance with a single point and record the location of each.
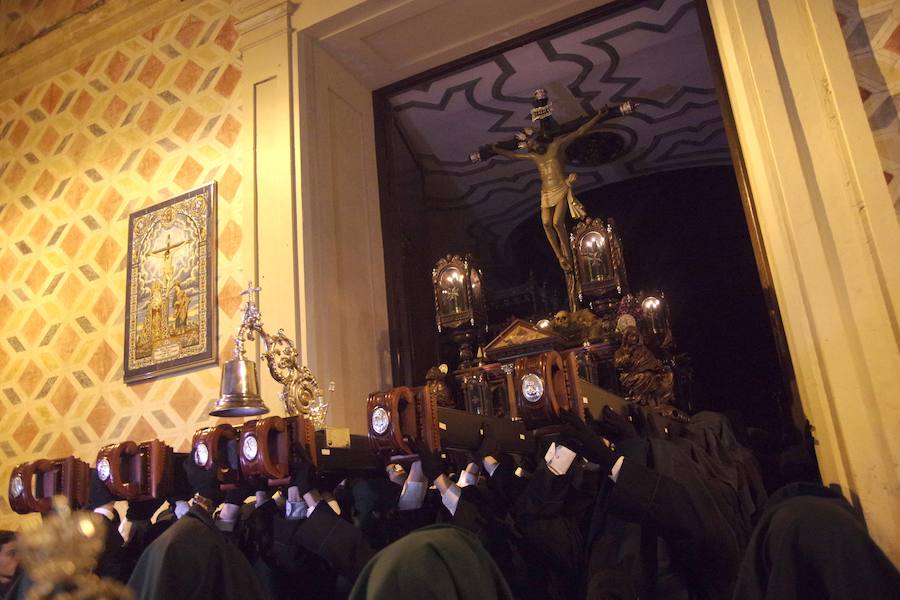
(593, 295)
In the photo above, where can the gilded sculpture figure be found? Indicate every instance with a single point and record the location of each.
(546, 147)
(647, 381)
(578, 326)
(548, 155)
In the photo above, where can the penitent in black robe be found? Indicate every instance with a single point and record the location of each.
(192, 560)
(809, 544)
(439, 562)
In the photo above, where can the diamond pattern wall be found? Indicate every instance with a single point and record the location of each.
(153, 116)
(871, 30)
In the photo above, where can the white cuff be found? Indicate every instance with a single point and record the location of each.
(467, 478)
(226, 526)
(334, 506)
(106, 512)
(450, 498)
(229, 512)
(181, 508)
(413, 495)
(617, 466)
(295, 511)
(559, 459)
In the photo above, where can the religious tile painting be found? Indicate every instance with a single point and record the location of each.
(170, 322)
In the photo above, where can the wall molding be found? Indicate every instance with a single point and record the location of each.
(79, 38)
(52, 27)
(830, 233)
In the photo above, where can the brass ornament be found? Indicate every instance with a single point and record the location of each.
(239, 395)
(61, 553)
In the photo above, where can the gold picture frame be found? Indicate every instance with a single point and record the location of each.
(171, 310)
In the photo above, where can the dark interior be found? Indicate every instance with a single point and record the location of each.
(670, 187)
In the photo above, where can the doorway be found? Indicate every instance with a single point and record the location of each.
(668, 181)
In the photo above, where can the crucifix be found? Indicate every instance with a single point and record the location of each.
(250, 323)
(250, 291)
(166, 251)
(546, 148)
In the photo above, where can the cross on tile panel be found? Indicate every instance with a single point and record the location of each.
(79, 152)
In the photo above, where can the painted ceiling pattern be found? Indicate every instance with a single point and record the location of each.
(652, 54)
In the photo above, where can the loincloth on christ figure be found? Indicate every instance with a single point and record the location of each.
(550, 198)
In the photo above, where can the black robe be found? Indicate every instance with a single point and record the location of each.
(193, 561)
(661, 525)
(284, 566)
(434, 562)
(809, 544)
(327, 535)
(552, 539)
(685, 509)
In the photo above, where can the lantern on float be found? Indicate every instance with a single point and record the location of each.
(655, 327)
(599, 267)
(458, 294)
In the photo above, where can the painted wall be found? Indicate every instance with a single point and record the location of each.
(871, 29)
(153, 115)
(23, 21)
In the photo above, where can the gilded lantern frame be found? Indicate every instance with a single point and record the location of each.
(473, 311)
(615, 282)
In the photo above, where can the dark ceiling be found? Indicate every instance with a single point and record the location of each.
(651, 52)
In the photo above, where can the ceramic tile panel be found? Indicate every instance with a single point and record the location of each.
(153, 116)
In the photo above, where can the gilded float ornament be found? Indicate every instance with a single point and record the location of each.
(61, 553)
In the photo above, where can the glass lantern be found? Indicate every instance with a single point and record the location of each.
(655, 327)
(599, 266)
(458, 294)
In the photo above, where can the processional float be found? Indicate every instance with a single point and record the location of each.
(516, 387)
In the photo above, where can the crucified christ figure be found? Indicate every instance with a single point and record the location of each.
(166, 252)
(556, 185)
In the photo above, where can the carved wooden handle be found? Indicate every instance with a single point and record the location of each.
(156, 460)
(544, 372)
(124, 485)
(216, 440)
(274, 447)
(298, 432)
(26, 501)
(392, 420)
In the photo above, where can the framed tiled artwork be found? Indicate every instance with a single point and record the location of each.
(171, 311)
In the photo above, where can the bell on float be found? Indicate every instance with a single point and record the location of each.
(239, 391)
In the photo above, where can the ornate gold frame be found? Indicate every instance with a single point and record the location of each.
(171, 308)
